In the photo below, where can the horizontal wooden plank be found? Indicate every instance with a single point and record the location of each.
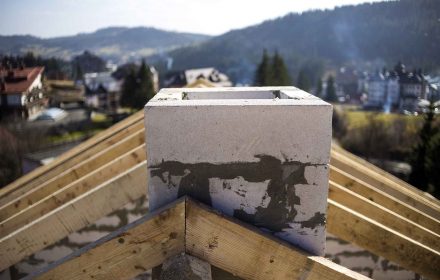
(248, 253)
(77, 154)
(384, 216)
(371, 193)
(370, 177)
(72, 174)
(364, 232)
(126, 252)
(74, 189)
(73, 216)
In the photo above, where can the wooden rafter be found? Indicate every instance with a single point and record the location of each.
(77, 154)
(372, 178)
(128, 251)
(70, 175)
(401, 185)
(242, 250)
(74, 215)
(371, 193)
(384, 216)
(358, 229)
(74, 189)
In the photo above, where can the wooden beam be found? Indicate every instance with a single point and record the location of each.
(384, 216)
(78, 213)
(248, 253)
(361, 188)
(128, 251)
(364, 232)
(74, 189)
(363, 173)
(71, 175)
(71, 157)
(383, 173)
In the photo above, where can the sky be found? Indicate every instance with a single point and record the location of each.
(51, 18)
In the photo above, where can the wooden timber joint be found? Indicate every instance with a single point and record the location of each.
(189, 227)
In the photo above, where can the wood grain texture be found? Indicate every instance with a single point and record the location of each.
(364, 232)
(72, 174)
(127, 252)
(68, 159)
(402, 184)
(384, 216)
(371, 177)
(74, 189)
(249, 254)
(371, 193)
(78, 213)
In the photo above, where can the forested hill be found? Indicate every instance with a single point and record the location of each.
(117, 43)
(384, 32)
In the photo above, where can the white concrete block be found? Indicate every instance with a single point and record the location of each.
(258, 154)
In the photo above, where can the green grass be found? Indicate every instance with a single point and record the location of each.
(356, 119)
(72, 136)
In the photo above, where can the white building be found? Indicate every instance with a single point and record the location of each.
(377, 90)
(21, 92)
(102, 90)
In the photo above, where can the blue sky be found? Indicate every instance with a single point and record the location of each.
(49, 18)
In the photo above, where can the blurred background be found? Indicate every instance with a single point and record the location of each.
(70, 69)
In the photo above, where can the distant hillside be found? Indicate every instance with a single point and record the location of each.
(385, 32)
(117, 43)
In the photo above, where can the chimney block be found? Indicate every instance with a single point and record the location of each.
(259, 154)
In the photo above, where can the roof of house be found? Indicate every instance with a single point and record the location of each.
(18, 80)
(366, 206)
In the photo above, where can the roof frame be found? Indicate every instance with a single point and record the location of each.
(191, 227)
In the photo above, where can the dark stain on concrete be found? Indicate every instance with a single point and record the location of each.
(282, 176)
(317, 220)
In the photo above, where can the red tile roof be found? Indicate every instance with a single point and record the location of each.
(21, 80)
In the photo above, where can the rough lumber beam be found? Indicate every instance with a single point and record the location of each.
(128, 251)
(361, 188)
(358, 229)
(77, 154)
(249, 254)
(384, 216)
(74, 189)
(376, 180)
(186, 226)
(71, 175)
(385, 174)
(78, 213)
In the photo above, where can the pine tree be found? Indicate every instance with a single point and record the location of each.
(145, 90)
(280, 75)
(433, 164)
(303, 81)
(78, 73)
(263, 73)
(129, 88)
(137, 88)
(319, 88)
(419, 173)
(330, 95)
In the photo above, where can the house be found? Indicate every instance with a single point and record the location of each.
(187, 77)
(383, 91)
(377, 88)
(347, 84)
(102, 91)
(21, 92)
(413, 87)
(397, 89)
